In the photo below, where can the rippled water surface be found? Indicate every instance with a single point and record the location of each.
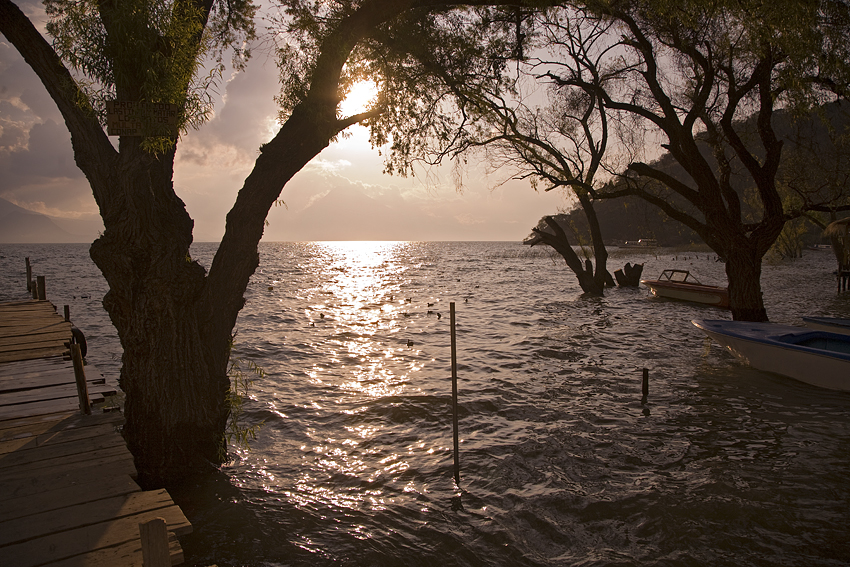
(561, 463)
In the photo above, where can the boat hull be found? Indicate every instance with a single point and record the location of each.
(695, 293)
(831, 324)
(794, 352)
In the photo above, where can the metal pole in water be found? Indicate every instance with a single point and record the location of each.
(454, 392)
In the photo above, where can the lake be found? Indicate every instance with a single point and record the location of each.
(560, 462)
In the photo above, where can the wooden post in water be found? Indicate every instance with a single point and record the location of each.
(29, 274)
(154, 536)
(68, 313)
(645, 388)
(80, 375)
(454, 393)
(42, 288)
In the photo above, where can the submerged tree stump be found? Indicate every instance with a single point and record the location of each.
(629, 276)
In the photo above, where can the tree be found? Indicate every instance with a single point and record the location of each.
(174, 320)
(690, 73)
(698, 80)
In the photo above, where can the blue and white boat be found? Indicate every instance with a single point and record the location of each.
(831, 324)
(819, 358)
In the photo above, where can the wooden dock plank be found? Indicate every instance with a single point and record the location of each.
(54, 437)
(67, 494)
(63, 463)
(66, 544)
(52, 423)
(81, 515)
(84, 448)
(47, 393)
(31, 354)
(126, 555)
(53, 480)
(44, 407)
(24, 369)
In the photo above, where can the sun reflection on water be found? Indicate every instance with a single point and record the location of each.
(361, 311)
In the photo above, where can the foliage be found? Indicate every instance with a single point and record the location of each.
(239, 372)
(149, 51)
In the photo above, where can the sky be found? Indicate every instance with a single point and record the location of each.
(341, 195)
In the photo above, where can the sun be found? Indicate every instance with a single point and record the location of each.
(360, 96)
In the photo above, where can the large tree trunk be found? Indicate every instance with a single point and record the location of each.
(743, 270)
(174, 371)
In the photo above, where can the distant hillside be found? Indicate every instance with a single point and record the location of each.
(632, 218)
(19, 225)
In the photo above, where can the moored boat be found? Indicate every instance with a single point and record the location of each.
(642, 243)
(682, 285)
(831, 324)
(819, 358)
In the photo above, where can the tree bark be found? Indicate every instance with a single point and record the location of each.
(743, 270)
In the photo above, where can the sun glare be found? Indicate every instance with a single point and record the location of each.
(361, 95)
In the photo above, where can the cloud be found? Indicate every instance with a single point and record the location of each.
(341, 195)
(245, 118)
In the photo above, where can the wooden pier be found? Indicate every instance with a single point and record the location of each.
(67, 491)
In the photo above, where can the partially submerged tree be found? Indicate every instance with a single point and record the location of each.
(686, 78)
(174, 320)
(688, 75)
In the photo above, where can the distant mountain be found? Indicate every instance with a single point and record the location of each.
(19, 225)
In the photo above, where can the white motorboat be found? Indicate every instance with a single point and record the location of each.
(682, 285)
(819, 358)
(831, 324)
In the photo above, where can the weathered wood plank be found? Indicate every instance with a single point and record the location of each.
(31, 354)
(81, 448)
(69, 543)
(66, 480)
(66, 464)
(126, 555)
(81, 515)
(53, 393)
(94, 489)
(45, 380)
(37, 408)
(35, 332)
(51, 438)
(20, 487)
(37, 425)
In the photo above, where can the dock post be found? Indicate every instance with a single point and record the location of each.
(645, 387)
(154, 536)
(80, 375)
(29, 274)
(42, 288)
(454, 395)
(68, 313)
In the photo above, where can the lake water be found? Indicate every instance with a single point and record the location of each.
(560, 462)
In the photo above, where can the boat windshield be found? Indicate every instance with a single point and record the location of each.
(682, 276)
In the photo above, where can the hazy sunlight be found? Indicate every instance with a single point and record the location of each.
(361, 95)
